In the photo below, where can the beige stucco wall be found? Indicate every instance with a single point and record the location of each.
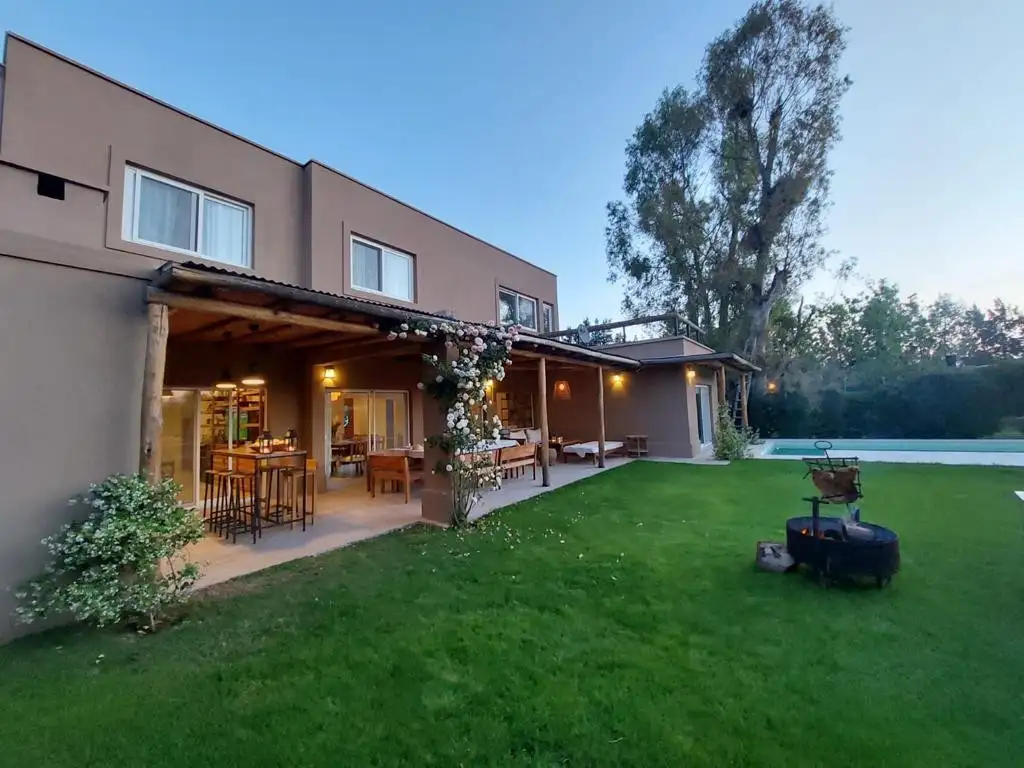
(655, 348)
(63, 119)
(71, 357)
(652, 401)
(453, 270)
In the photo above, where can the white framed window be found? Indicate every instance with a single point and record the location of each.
(516, 308)
(547, 317)
(378, 269)
(174, 216)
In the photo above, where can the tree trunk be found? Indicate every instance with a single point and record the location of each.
(759, 310)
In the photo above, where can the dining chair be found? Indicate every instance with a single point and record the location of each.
(384, 467)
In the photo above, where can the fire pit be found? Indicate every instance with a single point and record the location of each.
(840, 548)
(834, 555)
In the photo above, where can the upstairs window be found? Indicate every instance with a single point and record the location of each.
(377, 269)
(174, 216)
(517, 309)
(547, 318)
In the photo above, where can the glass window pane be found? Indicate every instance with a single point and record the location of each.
(507, 305)
(397, 278)
(527, 313)
(549, 318)
(225, 235)
(365, 266)
(167, 214)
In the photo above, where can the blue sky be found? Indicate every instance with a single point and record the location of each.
(509, 119)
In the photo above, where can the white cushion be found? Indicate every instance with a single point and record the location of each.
(533, 435)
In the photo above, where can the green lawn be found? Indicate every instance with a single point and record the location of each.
(618, 621)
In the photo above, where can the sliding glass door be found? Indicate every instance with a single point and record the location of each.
(179, 454)
(379, 417)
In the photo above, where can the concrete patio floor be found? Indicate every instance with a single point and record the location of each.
(346, 514)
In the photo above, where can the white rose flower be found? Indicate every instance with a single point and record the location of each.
(439, 378)
(421, 385)
(403, 335)
(447, 467)
(392, 336)
(404, 326)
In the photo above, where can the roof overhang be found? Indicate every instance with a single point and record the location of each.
(713, 359)
(205, 282)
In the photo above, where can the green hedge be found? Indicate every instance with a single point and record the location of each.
(956, 403)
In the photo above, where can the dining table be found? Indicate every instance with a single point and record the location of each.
(264, 464)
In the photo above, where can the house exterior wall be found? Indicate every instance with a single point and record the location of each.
(71, 354)
(72, 291)
(655, 348)
(63, 119)
(652, 401)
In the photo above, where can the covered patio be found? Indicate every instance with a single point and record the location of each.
(233, 359)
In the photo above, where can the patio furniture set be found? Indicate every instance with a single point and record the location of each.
(249, 488)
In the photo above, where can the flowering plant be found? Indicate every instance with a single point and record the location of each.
(123, 562)
(479, 353)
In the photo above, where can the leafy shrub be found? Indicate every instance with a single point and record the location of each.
(731, 442)
(122, 563)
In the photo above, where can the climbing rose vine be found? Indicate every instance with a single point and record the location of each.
(459, 386)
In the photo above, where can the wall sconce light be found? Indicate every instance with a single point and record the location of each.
(562, 390)
(691, 374)
(330, 376)
(617, 380)
(772, 387)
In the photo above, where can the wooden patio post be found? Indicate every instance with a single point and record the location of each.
(152, 391)
(600, 419)
(721, 387)
(744, 392)
(545, 437)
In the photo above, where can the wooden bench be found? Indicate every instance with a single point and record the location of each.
(517, 459)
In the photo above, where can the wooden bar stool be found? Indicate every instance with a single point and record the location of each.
(216, 493)
(243, 491)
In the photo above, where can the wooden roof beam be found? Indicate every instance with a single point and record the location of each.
(249, 312)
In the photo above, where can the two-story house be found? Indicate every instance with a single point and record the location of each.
(167, 287)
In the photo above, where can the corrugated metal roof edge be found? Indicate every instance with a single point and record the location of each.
(715, 357)
(195, 269)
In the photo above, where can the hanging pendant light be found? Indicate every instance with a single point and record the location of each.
(562, 390)
(225, 381)
(253, 378)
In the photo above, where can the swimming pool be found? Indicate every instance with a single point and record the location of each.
(807, 448)
(994, 452)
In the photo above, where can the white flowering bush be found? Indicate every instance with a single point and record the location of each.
(123, 563)
(482, 353)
